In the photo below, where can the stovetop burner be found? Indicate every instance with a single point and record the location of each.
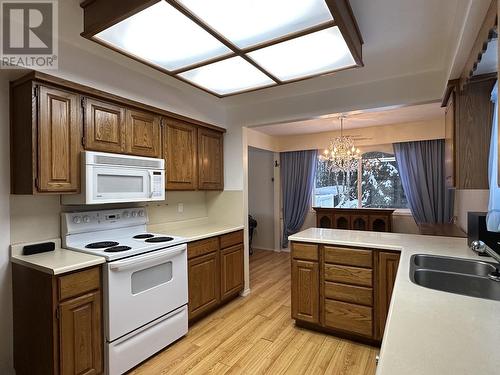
(142, 236)
(116, 249)
(101, 245)
(159, 239)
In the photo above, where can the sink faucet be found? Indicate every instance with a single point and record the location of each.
(480, 247)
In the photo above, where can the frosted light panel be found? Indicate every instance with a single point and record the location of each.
(228, 76)
(308, 55)
(249, 22)
(163, 36)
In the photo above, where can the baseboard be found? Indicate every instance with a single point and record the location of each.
(263, 249)
(245, 292)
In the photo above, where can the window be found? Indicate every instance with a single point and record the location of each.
(379, 185)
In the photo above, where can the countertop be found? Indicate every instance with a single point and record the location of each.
(195, 232)
(427, 331)
(54, 262)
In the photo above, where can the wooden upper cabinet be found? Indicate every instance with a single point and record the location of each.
(104, 126)
(58, 141)
(143, 134)
(449, 141)
(210, 160)
(179, 151)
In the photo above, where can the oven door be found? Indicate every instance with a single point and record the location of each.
(118, 184)
(143, 288)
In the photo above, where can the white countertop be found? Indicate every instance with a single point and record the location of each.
(54, 262)
(427, 331)
(195, 232)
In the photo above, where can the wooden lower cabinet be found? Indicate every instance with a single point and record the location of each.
(204, 284)
(349, 317)
(305, 290)
(343, 290)
(387, 269)
(80, 334)
(215, 272)
(57, 322)
(231, 271)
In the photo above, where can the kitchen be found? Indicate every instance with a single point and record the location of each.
(97, 159)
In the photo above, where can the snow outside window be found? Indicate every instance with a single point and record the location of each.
(379, 185)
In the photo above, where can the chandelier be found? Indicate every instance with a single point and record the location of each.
(341, 155)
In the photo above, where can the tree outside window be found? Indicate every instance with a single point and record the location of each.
(379, 185)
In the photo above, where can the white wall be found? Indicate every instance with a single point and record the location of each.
(261, 196)
(469, 200)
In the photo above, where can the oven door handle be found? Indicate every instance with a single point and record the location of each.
(157, 257)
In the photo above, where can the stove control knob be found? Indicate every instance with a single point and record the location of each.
(86, 219)
(134, 214)
(141, 213)
(126, 214)
(77, 219)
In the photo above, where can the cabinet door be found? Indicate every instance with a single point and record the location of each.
(359, 222)
(449, 148)
(80, 346)
(342, 222)
(104, 126)
(210, 160)
(380, 223)
(305, 291)
(231, 264)
(59, 135)
(179, 142)
(324, 221)
(387, 269)
(204, 284)
(143, 134)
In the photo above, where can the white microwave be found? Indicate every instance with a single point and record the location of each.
(117, 178)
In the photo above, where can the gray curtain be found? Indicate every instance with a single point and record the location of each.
(298, 170)
(421, 167)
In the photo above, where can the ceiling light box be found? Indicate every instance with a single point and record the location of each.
(227, 47)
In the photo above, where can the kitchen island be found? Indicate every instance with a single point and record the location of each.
(426, 331)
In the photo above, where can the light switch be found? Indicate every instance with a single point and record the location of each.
(180, 207)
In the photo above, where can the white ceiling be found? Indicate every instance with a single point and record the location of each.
(358, 119)
(401, 37)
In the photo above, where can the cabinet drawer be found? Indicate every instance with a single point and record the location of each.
(78, 283)
(348, 257)
(348, 317)
(349, 293)
(304, 251)
(198, 248)
(231, 239)
(349, 275)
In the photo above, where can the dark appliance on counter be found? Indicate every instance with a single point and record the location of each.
(476, 230)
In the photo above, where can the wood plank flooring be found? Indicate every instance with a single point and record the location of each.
(256, 335)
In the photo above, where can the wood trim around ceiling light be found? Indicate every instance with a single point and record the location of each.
(487, 32)
(344, 17)
(102, 14)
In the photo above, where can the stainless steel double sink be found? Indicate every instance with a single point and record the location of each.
(455, 275)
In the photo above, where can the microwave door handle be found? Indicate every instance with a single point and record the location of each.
(152, 260)
(151, 187)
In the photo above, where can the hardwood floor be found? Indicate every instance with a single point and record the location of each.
(255, 335)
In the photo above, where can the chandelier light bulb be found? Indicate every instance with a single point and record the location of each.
(342, 155)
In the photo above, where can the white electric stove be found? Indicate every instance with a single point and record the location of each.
(144, 280)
